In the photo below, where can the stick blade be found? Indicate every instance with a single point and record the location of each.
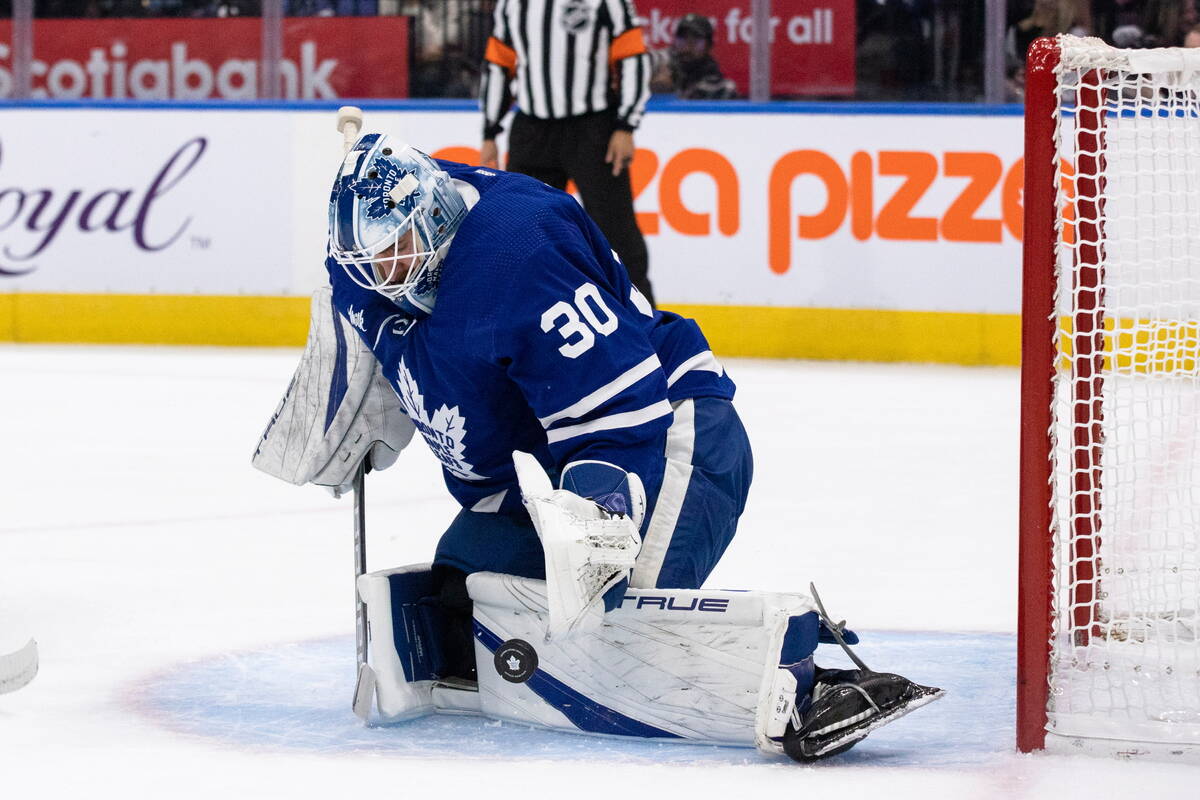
(364, 693)
(18, 668)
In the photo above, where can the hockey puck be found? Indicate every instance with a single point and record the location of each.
(516, 661)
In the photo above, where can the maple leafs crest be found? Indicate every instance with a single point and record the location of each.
(387, 175)
(451, 427)
(445, 433)
(410, 395)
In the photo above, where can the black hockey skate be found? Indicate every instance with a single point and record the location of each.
(846, 705)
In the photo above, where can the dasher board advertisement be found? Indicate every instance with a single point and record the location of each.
(104, 201)
(201, 59)
(917, 212)
(812, 41)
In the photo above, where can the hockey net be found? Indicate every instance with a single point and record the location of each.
(1110, 499)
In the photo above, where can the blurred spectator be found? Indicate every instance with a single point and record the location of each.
(1114, 14)
(1130, 37)
(1145, 23)
(447, 45)
(891, 53)
(47, 9)
(1192, 37)
(687, 68)
(1166, 22)
(1031, 19)
(447, 72)
(50, 9)
(330, 8)
(1014, 83)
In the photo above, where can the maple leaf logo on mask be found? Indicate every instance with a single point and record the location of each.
(375, 188)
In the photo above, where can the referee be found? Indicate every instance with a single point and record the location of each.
(582, 76)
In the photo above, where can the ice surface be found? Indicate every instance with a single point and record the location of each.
(194, 616)
(293, 697)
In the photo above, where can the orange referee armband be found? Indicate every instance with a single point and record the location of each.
(629, 43)
(499, 53)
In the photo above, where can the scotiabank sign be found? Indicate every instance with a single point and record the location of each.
(198, 59)
(812, 41)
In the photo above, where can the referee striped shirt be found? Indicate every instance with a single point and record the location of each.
(566, 58)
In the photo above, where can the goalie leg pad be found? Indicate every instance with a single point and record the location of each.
(666, 664)
(411, 630)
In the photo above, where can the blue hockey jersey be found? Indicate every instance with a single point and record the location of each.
(538, 342)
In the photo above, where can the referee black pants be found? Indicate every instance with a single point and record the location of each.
(557, 150)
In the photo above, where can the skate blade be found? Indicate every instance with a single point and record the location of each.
(928, 695)
(364, 692)
(18, 668)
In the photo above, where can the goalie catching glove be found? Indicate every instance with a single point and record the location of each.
(590, 543)
(338, 409)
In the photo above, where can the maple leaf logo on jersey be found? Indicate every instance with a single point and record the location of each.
(377, 186)
(445, 432)
(356, 320)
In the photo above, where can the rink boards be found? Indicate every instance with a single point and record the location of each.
(888, 233)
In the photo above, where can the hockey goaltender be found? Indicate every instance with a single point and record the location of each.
(601, 468)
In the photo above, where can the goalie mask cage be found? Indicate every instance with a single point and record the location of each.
(1108, 653)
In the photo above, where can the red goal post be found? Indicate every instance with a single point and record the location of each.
(1109, 585)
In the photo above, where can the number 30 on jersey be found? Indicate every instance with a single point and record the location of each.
(579, 322)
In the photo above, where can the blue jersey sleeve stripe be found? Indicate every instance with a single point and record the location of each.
(606, 392)
(705, 361)
(626, 419)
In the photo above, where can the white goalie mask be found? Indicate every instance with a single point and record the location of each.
(392, 214)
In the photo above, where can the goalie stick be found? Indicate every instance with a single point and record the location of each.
(349, 123)
(18, 667)
(364, 685)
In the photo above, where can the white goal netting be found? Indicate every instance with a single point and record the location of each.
(1125, 653)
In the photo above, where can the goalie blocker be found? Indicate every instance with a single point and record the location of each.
(722, 667)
